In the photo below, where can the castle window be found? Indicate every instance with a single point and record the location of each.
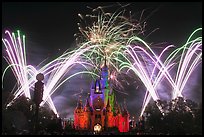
(97, 89)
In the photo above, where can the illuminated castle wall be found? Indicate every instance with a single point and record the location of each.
(101, 110)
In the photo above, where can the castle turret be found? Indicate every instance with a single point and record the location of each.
(87, 114)
(109, 120)
(104, 81)
(87, 106)
(79, 115)
(111, 98)
(97, 86)
(124, 120)
(108, 107)
(104, 71)
(125, 112)
(79, 104)
(116, 107)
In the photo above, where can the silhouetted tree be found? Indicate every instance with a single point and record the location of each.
(181, 117)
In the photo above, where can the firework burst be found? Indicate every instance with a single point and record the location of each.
(109, 30)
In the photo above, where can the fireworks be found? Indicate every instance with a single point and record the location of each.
(116, 38)
(110, 31)
(25, 74)
(15, 48)
(55, 70)
(190, 58)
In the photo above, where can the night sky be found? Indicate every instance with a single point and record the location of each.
(50, 28)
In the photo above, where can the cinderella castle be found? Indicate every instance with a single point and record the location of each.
(101, 110)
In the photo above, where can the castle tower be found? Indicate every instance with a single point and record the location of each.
(111, 97)
(109, 119)
(96, 90)
(124, 120)
(118, 115)
(98, 116)
(97, 103)
(79, 115)
(104, 81)
(87, 114)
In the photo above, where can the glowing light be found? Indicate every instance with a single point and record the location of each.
(97, 128)
(191, 57)
(55, 70)
(15, 48)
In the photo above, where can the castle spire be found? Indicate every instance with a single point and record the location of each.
(79, 105)
(97, 85)
(125, 112)
(108, 107)
(87, 100)
(119, 109)
(108, 103)
(124, 102)
(105, 62)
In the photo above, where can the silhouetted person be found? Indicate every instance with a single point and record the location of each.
(38, 96)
